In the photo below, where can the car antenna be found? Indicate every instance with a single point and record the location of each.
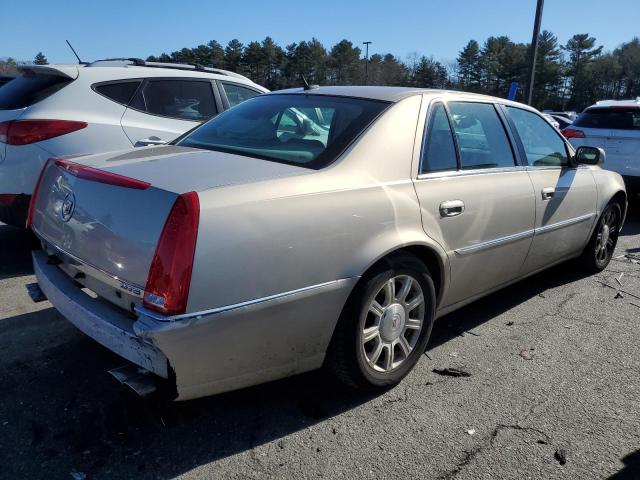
(74, 52)
(306, 84)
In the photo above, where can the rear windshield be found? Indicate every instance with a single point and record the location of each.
(29, 89)
(618, 118)
(305, 130)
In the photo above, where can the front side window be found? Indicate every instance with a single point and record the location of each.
(237, 94)
(542, 144)
(182, 99)
(482, 140)
(275, 127)
(438, 148)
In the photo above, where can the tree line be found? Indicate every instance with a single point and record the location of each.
(568, 77)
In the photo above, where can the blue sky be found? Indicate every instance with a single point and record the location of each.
(117, 28)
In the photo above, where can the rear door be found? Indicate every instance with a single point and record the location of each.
(565, 196)
(476, 200)
(165, 108)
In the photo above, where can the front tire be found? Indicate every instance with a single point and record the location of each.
(599, 251)
(385, 325)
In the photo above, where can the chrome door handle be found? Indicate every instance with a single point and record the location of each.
(451, 208)
(548, 193)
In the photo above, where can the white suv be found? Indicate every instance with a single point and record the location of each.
(615, 126)
(58, 110)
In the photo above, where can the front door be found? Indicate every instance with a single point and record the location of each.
(476, 201)
(565, 196)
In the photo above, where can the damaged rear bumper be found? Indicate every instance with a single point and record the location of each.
(100, 321)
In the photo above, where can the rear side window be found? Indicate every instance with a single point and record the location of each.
(120, 92)
(29, 89)
(481, 137)
(237, 94)
(182, 99)
(616, 118)
(438, 149)
(542, 144)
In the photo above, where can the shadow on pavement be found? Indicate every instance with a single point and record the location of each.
(15, 251)
(631, 470)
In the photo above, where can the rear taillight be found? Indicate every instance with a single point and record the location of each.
(102, 176)
(34, 195)
(572, 133)
(167, 289)
(24, 132)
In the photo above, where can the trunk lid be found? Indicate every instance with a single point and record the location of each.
(109, 233)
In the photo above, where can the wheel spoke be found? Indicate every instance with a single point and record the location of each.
(404, 345)
(417, 301)
(375, 355)
(370, 333)
(389, 292)
(376, 309)
(412, 324)
(389, 356)
(405, 289)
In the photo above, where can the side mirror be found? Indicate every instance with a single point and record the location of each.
(590, 156)
(153, 140)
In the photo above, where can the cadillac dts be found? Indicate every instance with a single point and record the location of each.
(324, 226)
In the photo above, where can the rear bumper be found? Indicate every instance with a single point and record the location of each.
(103, 323)
(211, 352)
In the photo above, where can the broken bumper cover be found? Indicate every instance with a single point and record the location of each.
(103, 323)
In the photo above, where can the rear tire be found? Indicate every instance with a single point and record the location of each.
(599, 251)
(385, 325)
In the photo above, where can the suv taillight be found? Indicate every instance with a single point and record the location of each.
(24, 132)
(34, 195)
(572, 133)
(167, 289)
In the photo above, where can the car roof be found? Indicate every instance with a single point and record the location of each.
(117, 69)
(388, 94)
(616, 103)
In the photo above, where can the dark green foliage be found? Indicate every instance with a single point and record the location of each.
(568, 77)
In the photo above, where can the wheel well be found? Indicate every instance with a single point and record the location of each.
(621, 198)
(427, 256)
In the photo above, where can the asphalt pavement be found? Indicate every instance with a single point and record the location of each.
(540, 380)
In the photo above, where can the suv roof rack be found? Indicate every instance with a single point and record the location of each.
(138, 62)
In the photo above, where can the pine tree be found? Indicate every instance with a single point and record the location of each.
(40, 59)
(582, 52)
(469, 66)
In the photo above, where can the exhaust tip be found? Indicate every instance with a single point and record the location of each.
(141, 381)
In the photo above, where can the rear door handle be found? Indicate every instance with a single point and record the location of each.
(451, 208)
(548, 193)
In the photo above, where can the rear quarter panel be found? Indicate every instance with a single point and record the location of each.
(280, 235)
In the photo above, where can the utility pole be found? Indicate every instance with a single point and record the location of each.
(366, 63)
(534, 51)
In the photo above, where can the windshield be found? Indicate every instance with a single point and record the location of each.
(305, 130)
(618, 118)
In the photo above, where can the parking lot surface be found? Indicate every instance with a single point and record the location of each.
(548, 386)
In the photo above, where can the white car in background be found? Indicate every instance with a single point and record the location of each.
(615, 126)
(61, 110)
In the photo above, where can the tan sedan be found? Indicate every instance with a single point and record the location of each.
(320, 226)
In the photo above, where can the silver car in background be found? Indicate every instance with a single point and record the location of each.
(309, 227)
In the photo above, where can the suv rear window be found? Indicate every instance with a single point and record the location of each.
(120, 92)
(28, 89)
(276, 128)
(617, 118)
